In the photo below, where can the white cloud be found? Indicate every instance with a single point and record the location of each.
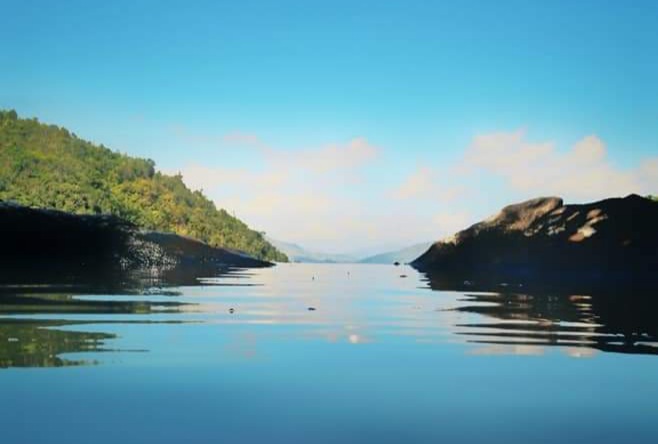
(649, 175)
(329, 158)
(469, 189)
(428, 184)
(320, 196)
(451, 222)
(305, 195)
(582, 173)
(200, 177)
(241, 138)
(419, 184)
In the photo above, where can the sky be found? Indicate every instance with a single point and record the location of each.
(352, 126)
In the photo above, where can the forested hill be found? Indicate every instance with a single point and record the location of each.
(48, 167)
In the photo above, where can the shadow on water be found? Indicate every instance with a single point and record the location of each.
(621, 320)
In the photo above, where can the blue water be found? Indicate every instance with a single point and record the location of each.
(381, 359)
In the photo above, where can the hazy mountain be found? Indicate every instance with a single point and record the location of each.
(404, 255)
(297, 253)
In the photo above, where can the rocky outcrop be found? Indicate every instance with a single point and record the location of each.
(614, 240)
(37, 243)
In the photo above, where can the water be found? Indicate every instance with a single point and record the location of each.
(324, 354)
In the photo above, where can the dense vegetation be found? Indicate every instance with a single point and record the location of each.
(49, 167)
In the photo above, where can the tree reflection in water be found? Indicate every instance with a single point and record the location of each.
(31, 342)
(26, 343)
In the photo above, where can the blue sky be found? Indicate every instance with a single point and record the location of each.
(398, 121)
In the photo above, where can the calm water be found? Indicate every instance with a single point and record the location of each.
(325, 353)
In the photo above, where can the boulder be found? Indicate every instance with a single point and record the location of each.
(613, 240)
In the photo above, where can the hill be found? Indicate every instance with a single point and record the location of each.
(611, 241)
(403, 256)
(45, 166)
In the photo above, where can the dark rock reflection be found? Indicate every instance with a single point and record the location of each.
(621, 320)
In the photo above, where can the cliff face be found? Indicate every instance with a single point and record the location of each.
(47, 243)
(543, 239)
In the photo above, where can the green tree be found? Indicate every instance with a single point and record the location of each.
(47, 166)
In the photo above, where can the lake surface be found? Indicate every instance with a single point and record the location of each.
(325, 354)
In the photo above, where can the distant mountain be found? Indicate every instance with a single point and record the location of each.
(297, 253)
(45, 166)
(403, 256)
(544, 241)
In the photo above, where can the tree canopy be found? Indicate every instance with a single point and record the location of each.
(47, 166)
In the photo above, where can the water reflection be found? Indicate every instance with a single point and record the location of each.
(67, 303)
(351, 305)
(31, 335)
(26, 343)
(610, 320)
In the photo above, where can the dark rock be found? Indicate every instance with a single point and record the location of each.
(614, 240)
(49, 243)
